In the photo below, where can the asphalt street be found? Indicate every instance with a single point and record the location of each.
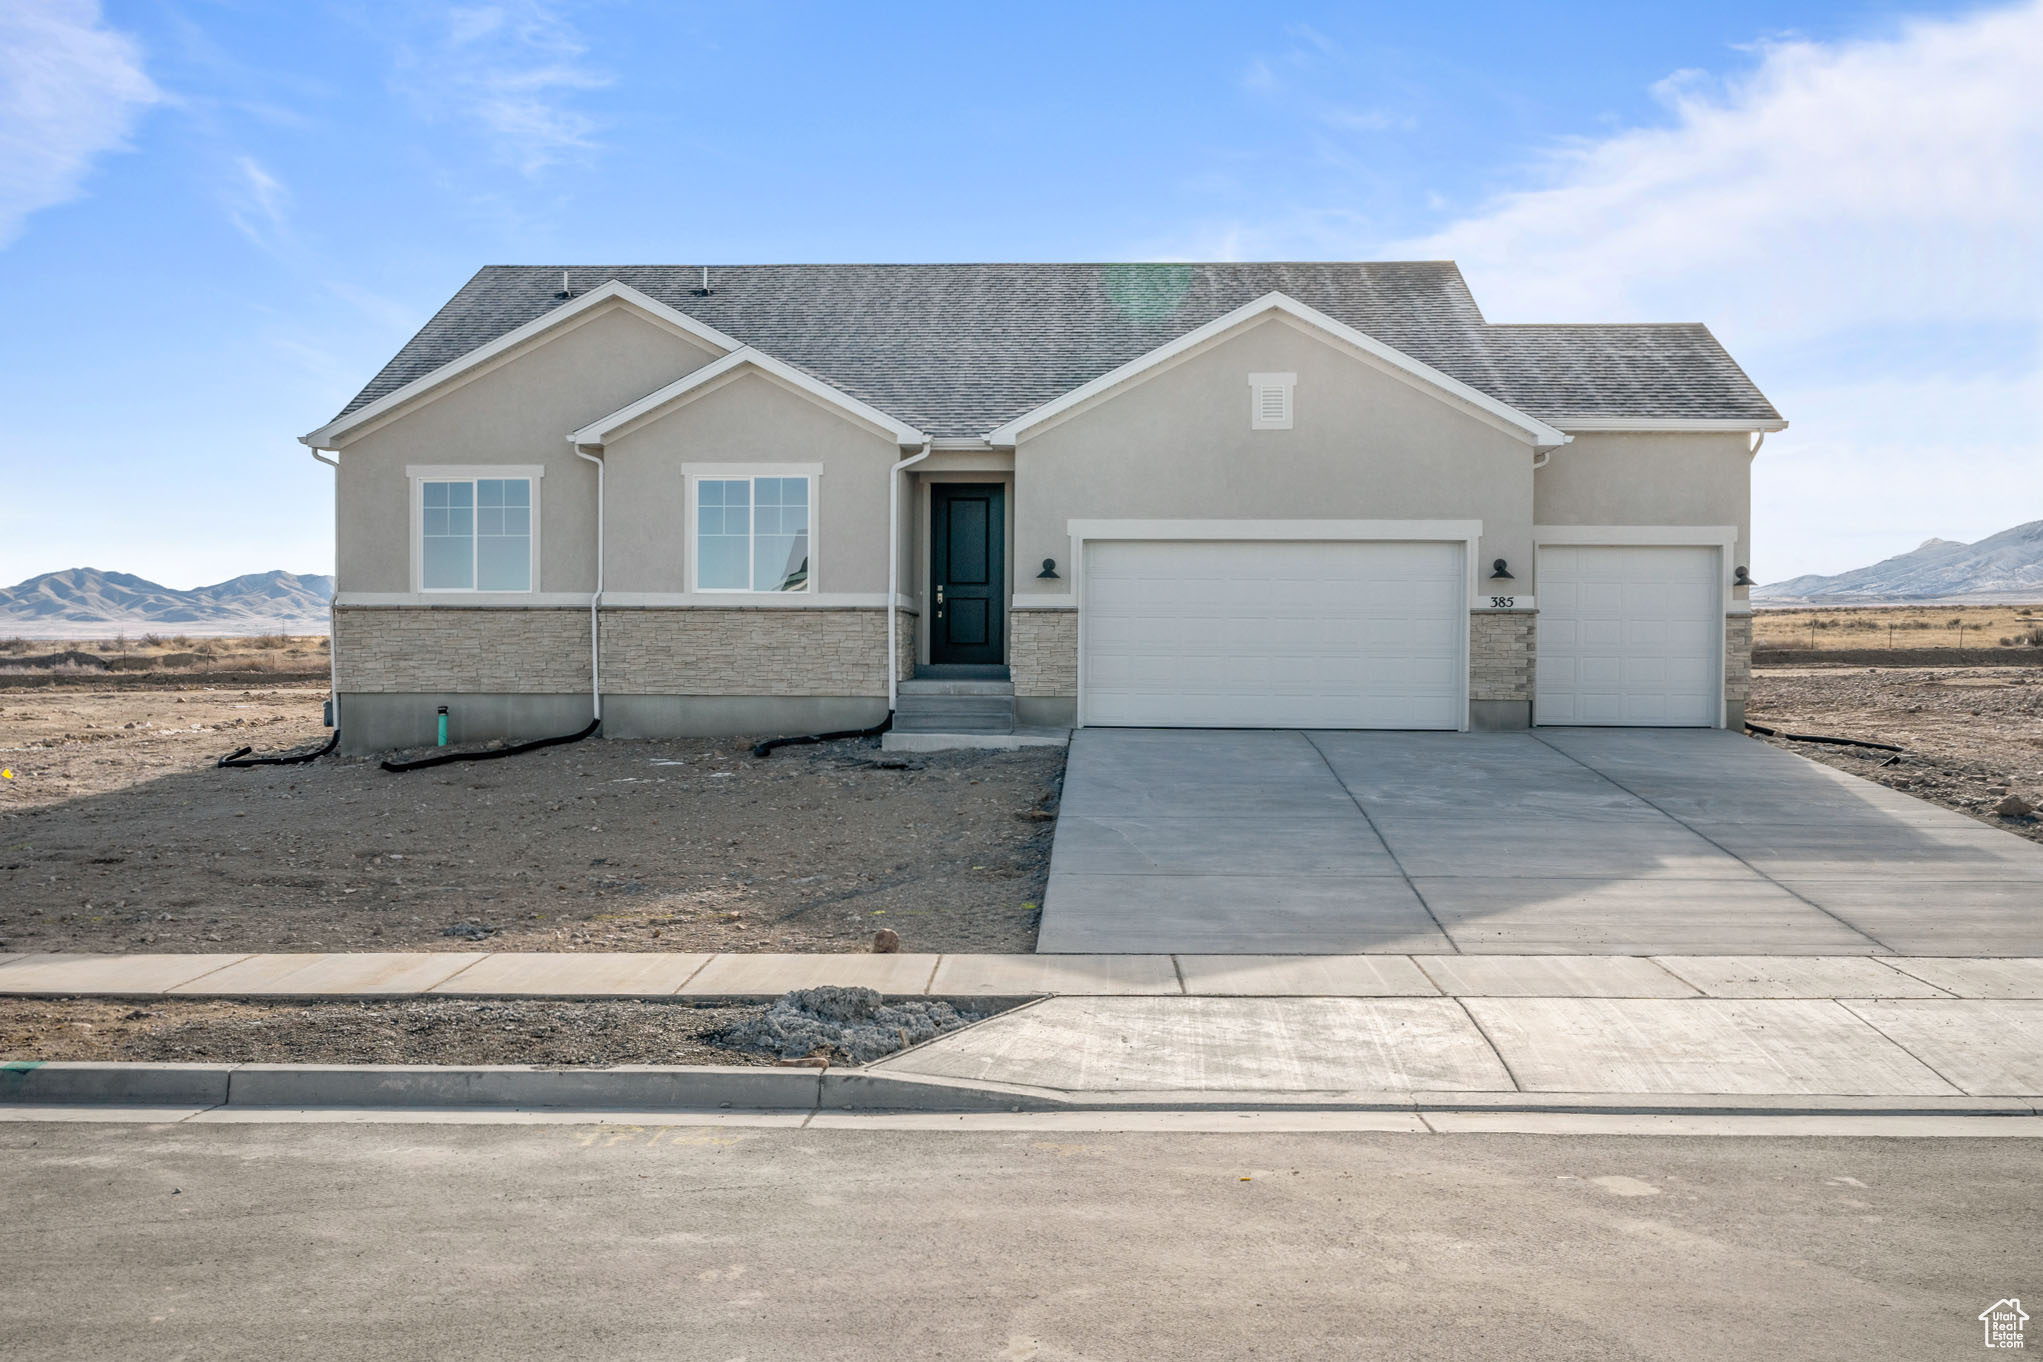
(571, 1240)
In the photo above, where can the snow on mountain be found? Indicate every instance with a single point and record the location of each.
(2003, 567)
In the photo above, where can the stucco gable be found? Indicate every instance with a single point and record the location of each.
(714, 375)
(1384, 358)
(611, 298)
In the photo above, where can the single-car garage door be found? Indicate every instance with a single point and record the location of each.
(1235, 634)
(1628, 636)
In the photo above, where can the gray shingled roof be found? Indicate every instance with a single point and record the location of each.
(957, 350)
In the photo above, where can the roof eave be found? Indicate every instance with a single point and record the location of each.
(1661, 424)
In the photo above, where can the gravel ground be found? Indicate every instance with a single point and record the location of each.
(435, 1031)
(117, 834)
(1972, 735)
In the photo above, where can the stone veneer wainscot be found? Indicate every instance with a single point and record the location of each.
(778, 650)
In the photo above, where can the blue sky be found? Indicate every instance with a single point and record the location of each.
(219, 217)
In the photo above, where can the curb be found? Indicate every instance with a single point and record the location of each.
(710, 1088)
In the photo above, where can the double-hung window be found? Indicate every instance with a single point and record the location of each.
(476, 533)
(754, 533)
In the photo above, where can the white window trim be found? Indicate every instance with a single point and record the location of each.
(694, 473)
(421, 474)
(1259, 382)
(1467, 533)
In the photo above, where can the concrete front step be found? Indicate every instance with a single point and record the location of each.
(986, 728)
(953, 723)
(951, 686)
(992, 706)
(982, 707)
(1020, 736)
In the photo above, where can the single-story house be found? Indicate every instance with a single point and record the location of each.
(767, 499)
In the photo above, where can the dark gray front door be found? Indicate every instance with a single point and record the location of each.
(968, 575)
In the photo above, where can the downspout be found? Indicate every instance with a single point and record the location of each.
(596, 600)
(894, 565)
(333, 693)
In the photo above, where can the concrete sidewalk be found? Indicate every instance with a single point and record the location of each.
(654, 974)
(1609, 1053)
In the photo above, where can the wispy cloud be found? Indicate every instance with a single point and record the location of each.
(1859, 221)
(1292, 74)
(258, 203)
(1900, 177)
(70, 92)
(513, 70)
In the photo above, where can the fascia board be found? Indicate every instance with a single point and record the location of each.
(1646, 424)
(1402, 365)
(597, 434)
(611, 292)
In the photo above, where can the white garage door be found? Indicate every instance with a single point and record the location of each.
(1208, 634)
(1628, 636)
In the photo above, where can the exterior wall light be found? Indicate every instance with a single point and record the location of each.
(1050, 569)
(1500, 573)
(1740, 577)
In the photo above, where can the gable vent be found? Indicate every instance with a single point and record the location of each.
(1270, 401)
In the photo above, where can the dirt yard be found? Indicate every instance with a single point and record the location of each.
(411, 1031)
(117, 834)
(1972, 735)
(295, 657)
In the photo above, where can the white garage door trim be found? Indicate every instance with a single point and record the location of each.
(1721, 538)
(1464, 533)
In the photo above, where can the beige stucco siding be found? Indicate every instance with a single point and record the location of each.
(517, 413)
(1650, 479)
(1364, 446)
(749, 420)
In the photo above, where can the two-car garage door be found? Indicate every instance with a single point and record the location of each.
(1286, 634)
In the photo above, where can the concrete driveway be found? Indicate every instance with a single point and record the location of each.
(1563, 841)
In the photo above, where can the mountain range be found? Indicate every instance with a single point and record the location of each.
(89, 603)
(2003, 567)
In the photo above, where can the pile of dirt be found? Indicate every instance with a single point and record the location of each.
(70, 657)
(406, 1031)
(1982, 653)
(1971, 737)
(849, 1025)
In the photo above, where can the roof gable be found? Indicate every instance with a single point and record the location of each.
(1384, 358)
(710, 376)
(518, 340)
